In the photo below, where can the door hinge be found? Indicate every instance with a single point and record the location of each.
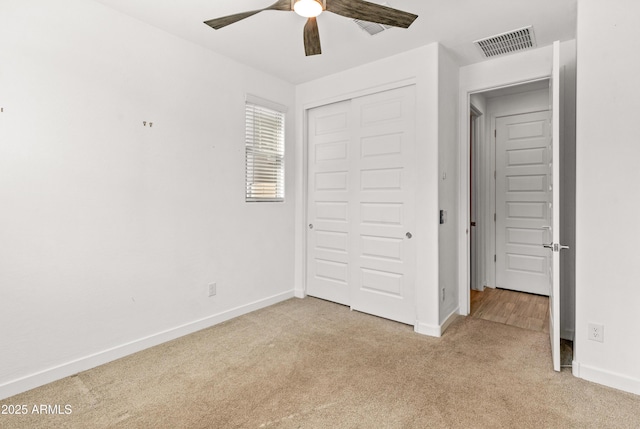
(495, 133)
(495, 217)
(495, 174)
(495, 258)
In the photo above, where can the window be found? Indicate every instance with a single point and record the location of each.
(264, 148)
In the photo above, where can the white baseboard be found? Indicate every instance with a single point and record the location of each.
(435, 330)
(91, 361)
(606, 378)
(450, 318)
(299, 293)
(427, 329)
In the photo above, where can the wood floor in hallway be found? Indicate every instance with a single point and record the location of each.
(523, 310)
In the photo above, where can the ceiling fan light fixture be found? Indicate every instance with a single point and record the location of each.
(307, 8)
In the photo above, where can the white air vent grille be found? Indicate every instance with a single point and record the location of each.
(505, 43)
(372, 28)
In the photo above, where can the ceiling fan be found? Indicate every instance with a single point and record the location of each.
(310, 9)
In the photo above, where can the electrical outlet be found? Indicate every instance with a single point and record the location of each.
(212, 289)
(596, 332)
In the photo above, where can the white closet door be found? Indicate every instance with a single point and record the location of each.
(383, 256)
(329, 193)
(361, 204)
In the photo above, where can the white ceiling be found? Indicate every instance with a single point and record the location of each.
(272, 40)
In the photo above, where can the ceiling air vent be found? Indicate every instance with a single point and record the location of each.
(506, 43)
(372, 28)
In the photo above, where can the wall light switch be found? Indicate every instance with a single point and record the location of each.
(443, 216)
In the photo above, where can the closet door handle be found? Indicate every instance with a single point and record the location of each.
(555, 247)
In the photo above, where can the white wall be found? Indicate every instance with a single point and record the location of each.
(111, 231)
(513, 104)
(448, 184)
(418, 66)
(607, 201)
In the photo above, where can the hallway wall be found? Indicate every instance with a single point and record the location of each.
(607, 202)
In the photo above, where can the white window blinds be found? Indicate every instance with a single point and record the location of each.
(264, 146)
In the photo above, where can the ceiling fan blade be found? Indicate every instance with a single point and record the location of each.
(311, 38)
(365, 11)
(218, 23)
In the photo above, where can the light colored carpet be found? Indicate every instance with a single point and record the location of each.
(313, 364)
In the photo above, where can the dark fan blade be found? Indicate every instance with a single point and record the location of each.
(218, 23)
(311, 38)
(365, 11)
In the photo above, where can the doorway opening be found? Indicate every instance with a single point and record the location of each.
(521, 111)
(477, 83)
(510, 196)
(488, 110)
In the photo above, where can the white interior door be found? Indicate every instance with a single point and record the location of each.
(383, 248)
(554, 247)
(361, 204)
(523, 197)
(329, 140)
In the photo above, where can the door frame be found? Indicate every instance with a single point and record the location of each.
(477, 255)
(464, 248)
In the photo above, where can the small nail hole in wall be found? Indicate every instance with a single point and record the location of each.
(144, 123)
